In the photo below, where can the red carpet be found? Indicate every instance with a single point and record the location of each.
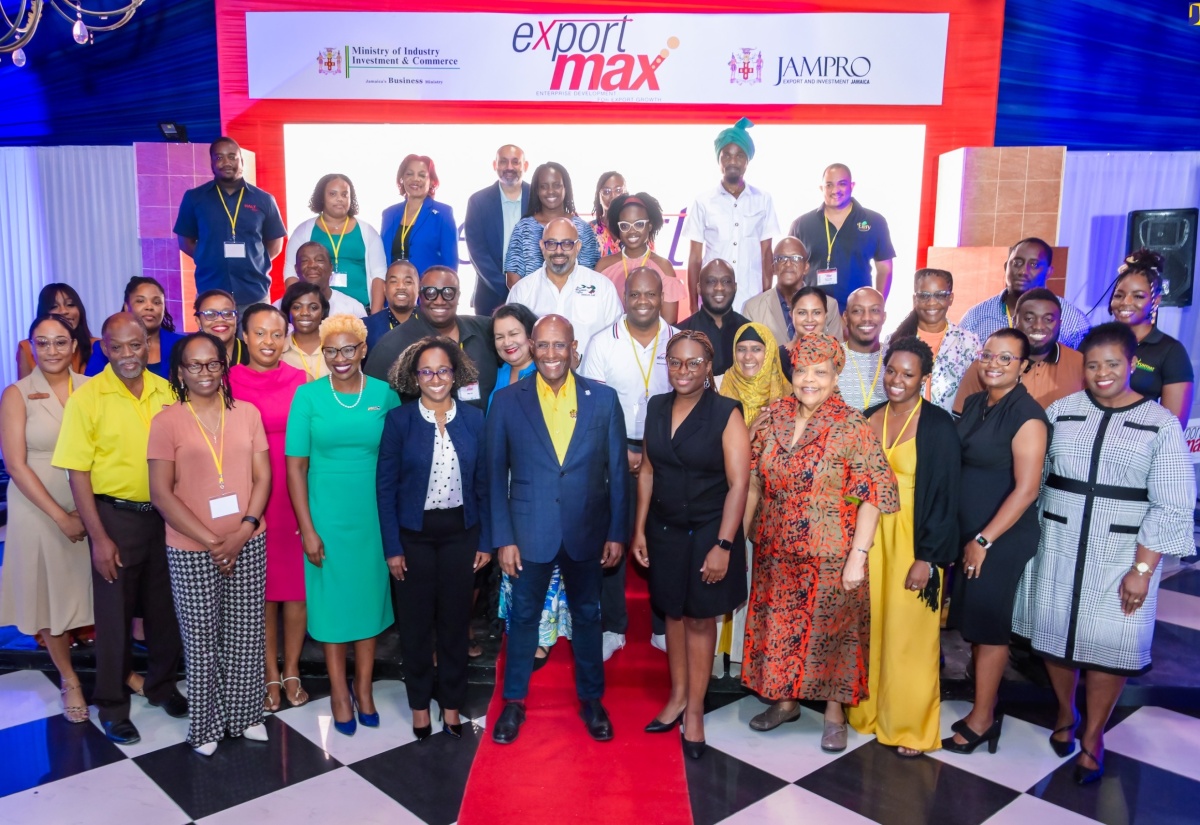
(555, 772)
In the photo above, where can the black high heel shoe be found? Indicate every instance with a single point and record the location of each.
(1065, 749)
(991, 736)
(453, 731)
(1085, 776)
(656, 726)
(423, 732)
(692, 750)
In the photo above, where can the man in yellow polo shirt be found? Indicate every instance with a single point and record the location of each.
(102, 445)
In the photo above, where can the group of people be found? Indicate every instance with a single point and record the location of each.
(791, 481)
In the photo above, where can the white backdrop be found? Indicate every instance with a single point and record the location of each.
(672, 163)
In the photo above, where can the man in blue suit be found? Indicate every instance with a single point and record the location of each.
(491, 215)
(559, 480)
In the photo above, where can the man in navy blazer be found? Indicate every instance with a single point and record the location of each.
(559, 483)
(491, 215)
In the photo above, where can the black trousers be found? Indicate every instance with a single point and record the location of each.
(433, 606)
(143, 581)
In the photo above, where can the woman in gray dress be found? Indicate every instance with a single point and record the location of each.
(1117, 496)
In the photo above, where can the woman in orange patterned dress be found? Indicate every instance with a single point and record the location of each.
(824, 481)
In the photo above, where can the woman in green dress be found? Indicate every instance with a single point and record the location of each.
(333, 434)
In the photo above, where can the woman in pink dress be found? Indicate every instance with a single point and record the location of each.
(635, 220)
(269, 385)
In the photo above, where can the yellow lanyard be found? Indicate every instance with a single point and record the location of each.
(886, 451)
(646, 373)
(625, 264)
(867, 391)
(405, 228)
(829, 241)
(337, 246)
(237, 352)
(233, 215)
(313, 374)
(1007, 314)
(218, 460)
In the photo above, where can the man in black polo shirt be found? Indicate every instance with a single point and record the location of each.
(843, 239)
(716, 317)
(230, 229)
(437, 314)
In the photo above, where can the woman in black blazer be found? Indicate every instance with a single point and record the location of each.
(433, 510)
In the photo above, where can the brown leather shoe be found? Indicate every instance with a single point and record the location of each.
(834, 739)
(773, 717)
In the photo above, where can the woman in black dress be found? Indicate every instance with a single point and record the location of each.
(1004, 433)
(692, 490)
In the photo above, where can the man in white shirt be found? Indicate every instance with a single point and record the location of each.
(631, 357)
(733, 221)
(561, 287)
(313, 265)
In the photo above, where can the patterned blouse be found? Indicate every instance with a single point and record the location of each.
(525, 246)
(958, 351)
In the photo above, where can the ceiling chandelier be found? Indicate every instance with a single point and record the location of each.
(17, 30)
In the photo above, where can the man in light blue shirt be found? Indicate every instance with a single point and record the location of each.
(492, 213)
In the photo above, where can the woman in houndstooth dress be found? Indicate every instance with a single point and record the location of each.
(1118, 494)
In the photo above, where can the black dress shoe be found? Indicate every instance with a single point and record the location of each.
(505, 731)
(595, 719)
(175, 705)
(656, 726)
(692, 750)
(122, 732)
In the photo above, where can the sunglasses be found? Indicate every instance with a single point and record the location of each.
(430, 293)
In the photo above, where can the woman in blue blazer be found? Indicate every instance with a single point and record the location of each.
(432, 487)
(419, 228)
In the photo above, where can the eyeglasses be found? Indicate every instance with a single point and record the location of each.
(1002, 358)
(47, 344)
(926, 297)
(430, 293)
(691, 365)
(625, 226)
(214, 314)
(780, 260)
(196, 368)
(566, 245)
(440, 372)
(346, 351)
(546, 346)
(609, 191)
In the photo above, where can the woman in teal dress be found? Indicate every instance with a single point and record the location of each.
(333, 435)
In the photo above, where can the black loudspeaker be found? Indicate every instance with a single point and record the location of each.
(1172, 234)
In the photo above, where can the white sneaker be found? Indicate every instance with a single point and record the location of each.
(659, 640)
(207, 749)
(257, 733)
(612, 643)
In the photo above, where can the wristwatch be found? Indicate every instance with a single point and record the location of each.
(725, 544)
(1141, 568)
(251, 520)
(982, 542)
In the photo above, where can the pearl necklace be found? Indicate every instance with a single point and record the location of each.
(362, 385)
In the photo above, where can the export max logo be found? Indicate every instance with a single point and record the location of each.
(590, 53)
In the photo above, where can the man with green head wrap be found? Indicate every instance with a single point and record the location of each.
(733, 221)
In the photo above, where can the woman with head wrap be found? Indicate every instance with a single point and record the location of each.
(824, 481)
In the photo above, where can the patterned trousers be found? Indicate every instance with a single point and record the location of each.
(221, 621)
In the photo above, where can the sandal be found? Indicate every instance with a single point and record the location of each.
(267, 706)
(300, 697)
(136, 683)
(73, 713)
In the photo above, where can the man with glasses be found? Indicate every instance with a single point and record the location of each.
(772, 308)
(716, 316)
(102, 446)
(564, 287)
(1028, 265)
(844, 239)
(314, 266)
(400, 294)
(437, 314)
(492, 213)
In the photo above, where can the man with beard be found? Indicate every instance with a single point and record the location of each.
(313, 266)
(400, 292)
(716, 316)
(732, 221)
(492, 213)
(231, 229)
(773, 308)
(1055, 370)
(102, 446)
(1028, 265)
(861, 380)
(563, 287)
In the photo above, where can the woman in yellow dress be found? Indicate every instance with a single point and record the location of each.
(922, 446)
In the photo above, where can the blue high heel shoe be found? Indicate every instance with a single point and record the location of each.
(345, 728)
(368, 720)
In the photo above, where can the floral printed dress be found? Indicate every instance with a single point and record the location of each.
(806, 637)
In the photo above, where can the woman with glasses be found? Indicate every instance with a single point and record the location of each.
(306, 308)
(60, 299)
(1003, 432)
(954, 348)
(550, 197)
(420, 229)
(611, 185)
(431, 484)
(145, 298)
(46, 588)
(216, 313)
(210, 476)
(333, 434)
(635, 220)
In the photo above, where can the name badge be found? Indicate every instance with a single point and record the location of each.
(826, 277)
(222, 506)
(338, 279)
(233, 249)
(470, 392)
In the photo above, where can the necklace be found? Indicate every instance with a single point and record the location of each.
(362, 385)
(203, 423)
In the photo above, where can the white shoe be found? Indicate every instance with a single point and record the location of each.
(659, 640)
(207, 749)
(612, 643)
(257, 733)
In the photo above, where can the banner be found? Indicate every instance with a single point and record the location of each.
(812, 58)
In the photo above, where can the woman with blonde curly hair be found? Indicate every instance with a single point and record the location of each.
(332, 446)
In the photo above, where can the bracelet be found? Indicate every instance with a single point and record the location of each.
(725, 544)
(864, 552)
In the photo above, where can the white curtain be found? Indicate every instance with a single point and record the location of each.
(69, 214)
